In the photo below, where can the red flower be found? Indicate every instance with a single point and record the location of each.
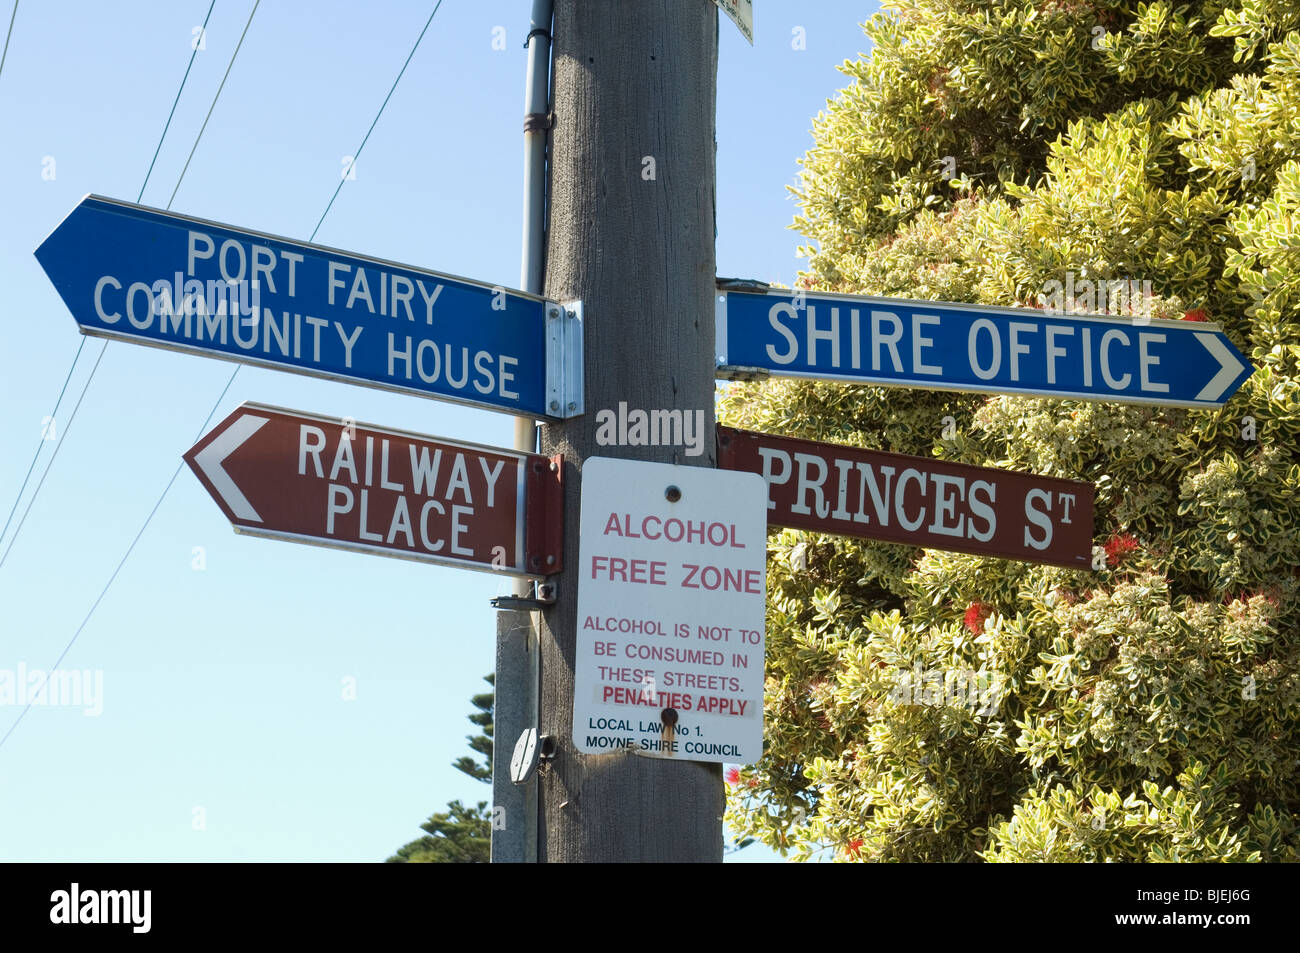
(1120, 546)
(975, 617)
(1270, 597)
(1197, 314)
(853, 847)
(733, 775)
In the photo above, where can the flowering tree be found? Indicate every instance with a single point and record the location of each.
(1144, 709)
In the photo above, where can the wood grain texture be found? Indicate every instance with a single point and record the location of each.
(632, 78)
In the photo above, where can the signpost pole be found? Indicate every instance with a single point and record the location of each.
(517, 661)
(631, 235)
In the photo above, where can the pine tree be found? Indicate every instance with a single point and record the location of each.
(460, 835)
(1144, 710)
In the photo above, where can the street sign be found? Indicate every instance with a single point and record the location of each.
(742, 14)
(919, 501)
(152, 277)
(962, 347)
(671, 595)
(287, 475)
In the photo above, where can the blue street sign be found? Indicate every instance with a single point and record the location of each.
(946, 346)
(165, 280)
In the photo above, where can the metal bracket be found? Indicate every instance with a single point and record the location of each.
(524, 760)
(544, 506)
(538, 122)
(546, 751)
(519, 604)
(533, 754)
(719, 328)
(728, 373)
(544, 599)
(564, 390)
(742, 284)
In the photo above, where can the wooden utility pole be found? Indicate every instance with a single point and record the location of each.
(631, 235)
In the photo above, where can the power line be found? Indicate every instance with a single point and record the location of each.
(53, 418)
(230, 380)
(54, 414)
(229, 66)
(103, 347)
(103, 592)
(193, 53)
(57, 447)
(357, 155)
(5, 54)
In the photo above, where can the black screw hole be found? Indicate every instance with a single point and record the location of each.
(672, 494)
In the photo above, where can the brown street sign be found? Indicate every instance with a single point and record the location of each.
(302, 477)
(829, 488)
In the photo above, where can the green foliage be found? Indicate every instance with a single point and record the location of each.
(482, 743)
(1142, 712)
(460, 835)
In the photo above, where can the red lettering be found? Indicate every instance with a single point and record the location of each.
(618, 569)
(725, 579)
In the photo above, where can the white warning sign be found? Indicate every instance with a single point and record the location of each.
(671, 603)
(742, 14)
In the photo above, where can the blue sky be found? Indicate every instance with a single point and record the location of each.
(222, 697)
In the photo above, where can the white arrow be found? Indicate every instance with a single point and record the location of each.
(214, 454)
(1229, 368)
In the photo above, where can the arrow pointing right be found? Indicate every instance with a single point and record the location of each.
(211, 458)
(1229, 368)
(942, 345)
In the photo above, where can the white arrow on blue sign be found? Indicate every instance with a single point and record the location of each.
(945, 346)
(152, 277)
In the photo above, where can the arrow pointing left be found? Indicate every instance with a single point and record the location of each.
(165, 280)
(210, 458)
